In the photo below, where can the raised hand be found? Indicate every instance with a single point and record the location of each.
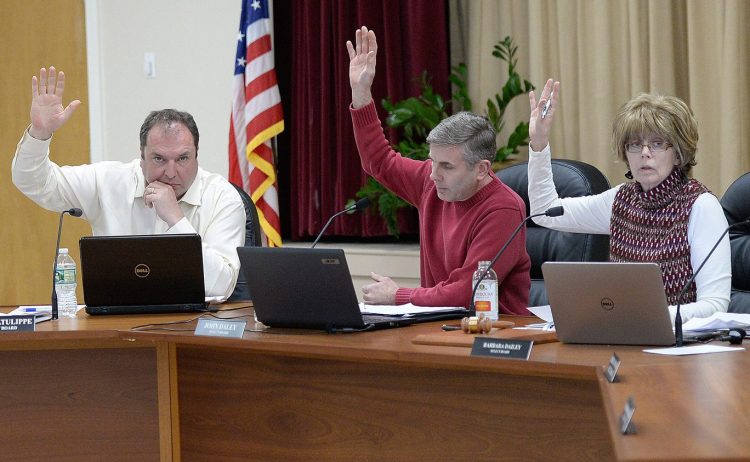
(362, 66)
(47, 111)
(539, 127)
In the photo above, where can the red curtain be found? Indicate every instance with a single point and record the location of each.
(323, 166)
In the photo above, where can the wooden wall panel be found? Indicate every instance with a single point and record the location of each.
(38, 33)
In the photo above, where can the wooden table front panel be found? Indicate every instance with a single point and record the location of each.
(244, 405)
(79, 405)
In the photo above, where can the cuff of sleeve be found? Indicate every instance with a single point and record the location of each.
(35, 142)
(403, 296)
(182, 227)
(544, 152)
(365, 115)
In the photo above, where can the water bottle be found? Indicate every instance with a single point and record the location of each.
(65, 285)
(485, 299)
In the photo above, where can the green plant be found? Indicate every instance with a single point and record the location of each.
(416, 116)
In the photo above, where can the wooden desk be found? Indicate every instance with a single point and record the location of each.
(302, 395)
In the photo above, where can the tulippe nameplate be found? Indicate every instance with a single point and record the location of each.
(18, 323)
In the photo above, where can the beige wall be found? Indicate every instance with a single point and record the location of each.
(194, 43)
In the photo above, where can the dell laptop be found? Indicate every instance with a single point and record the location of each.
(312, 288)
(161, 273)
(608, 303)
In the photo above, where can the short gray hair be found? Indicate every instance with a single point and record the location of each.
(168, 117)
(473, 133)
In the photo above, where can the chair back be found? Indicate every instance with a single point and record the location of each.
(572, 179)
(252, 239)
(736, 204)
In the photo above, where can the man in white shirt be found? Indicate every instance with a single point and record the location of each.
(165, 191)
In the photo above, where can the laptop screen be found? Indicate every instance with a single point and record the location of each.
(159, 269)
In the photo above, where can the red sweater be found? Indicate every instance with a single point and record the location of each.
(453, 236)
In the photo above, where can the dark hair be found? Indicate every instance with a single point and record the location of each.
(473, 133)
(168, 117)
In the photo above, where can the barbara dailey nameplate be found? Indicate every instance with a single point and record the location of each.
(501, 348)
(220, 328)
(17, 323)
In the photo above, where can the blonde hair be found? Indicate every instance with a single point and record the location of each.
(665, 116)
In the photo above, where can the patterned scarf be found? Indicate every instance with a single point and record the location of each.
(652, 227)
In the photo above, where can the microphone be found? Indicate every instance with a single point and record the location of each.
(355, 207)
(678, 316)
(74, 212)
(550, 212)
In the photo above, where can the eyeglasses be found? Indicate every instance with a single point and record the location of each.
(654, 146)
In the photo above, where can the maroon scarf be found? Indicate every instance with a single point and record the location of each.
(652, 227)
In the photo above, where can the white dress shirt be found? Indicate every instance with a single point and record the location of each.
(591, 214)
(111, 197)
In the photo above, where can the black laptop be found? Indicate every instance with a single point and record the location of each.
(160, 273)
(313, 289)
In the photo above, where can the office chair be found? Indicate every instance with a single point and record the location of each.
(736, 204)
(252, 239)
(572, 179)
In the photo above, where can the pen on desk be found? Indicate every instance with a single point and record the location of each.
(547, 104)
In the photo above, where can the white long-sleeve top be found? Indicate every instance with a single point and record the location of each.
(111, 197)
(591, 214)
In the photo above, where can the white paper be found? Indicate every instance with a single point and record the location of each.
(406, 309)
(542, 312)
(718, 321)
(692, 350)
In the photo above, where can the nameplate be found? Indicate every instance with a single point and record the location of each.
(627, 427)
(19, 323)
(611, 371)
(220, 328)
(501, 348)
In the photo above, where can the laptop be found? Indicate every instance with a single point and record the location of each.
(161, 273)
(313, 289)
(608, 303)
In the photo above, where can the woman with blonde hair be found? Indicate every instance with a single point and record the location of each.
(662, 216)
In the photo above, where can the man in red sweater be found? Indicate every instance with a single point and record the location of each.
(465, 212)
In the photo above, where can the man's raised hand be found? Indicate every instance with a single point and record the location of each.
(362, 66)
(47, 111)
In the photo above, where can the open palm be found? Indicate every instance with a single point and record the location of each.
(47, 111)
(362, 65)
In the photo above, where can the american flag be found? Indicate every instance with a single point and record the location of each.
(256, 117)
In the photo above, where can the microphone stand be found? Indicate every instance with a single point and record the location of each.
(359, 205)
(678, 317)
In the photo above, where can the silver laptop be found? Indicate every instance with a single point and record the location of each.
(608, 303)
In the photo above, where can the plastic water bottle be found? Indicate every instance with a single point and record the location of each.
(65, 285)
(485, 299)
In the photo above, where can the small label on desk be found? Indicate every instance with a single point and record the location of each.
(17, 323)
(220, 328)
(501, 348)
(611, 371)
(627, 427)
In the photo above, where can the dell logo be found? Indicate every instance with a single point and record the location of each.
(330, 261)
(142, 270)
(608, 304)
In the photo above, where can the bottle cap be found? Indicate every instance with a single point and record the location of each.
(63, 251)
